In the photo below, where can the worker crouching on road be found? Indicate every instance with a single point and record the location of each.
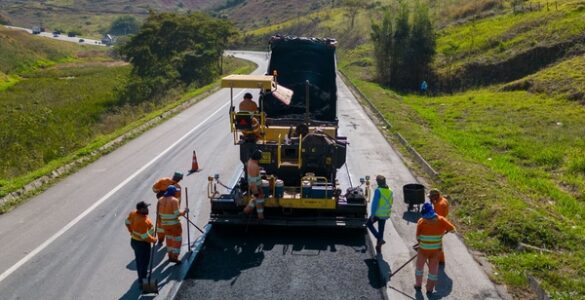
(441, 207)
(380, 210)
(142, 235)
(429, 233)
(160, 187)
(168, 211)
(255, 185)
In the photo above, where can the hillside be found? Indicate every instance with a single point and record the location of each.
(504, 130)
(91, 18)
(245, 13)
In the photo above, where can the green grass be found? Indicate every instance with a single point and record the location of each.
(71, 116)
(501, 37)
(512, 163)
(51, 113)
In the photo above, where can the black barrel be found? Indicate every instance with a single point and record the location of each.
(414, 193)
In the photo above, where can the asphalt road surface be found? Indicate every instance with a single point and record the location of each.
(70, 242)
(284, 264)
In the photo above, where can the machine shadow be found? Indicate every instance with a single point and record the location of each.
(229, 250)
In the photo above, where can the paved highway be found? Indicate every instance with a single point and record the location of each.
(63, 37)
(70, 242)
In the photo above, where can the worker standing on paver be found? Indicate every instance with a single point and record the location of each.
(429, 233)
(441, 207)
(142, 235)
(168, 211)
(160, 187)
(380, 210)
(255, 185)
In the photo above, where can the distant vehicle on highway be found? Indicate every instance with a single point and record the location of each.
(71, 34)
(81, 40)
(36, 30)
(56, 33)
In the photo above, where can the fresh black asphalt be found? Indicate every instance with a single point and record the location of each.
(284, 263)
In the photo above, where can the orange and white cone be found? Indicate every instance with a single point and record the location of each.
(194, 164)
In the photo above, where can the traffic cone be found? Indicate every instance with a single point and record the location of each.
(194, 164)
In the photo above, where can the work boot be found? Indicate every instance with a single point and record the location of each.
(379, 244)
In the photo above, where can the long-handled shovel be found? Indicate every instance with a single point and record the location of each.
(401, 267)
(151, 286)
(187, 206)
(415, 247)
(200, 230)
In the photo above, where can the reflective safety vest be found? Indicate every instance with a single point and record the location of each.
(255, 128)
(169, 211)
(162, 184)
(140, 227)
(384, 203)
(430, 232)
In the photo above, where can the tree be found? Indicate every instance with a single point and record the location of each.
(404, 50)
(422, 45)
(352, 8)
(399, 53)
(382, 36)
(124, 25)
(174, 49)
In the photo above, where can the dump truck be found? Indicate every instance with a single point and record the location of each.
(305, 180)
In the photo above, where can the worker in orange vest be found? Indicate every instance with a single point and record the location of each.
(429, 233)
(142, 235)
(168, 213)
(441, 207)
(160, 187)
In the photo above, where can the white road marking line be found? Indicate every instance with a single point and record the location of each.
(102, 200)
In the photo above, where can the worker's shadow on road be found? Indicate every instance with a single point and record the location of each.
(161, 272)
(378, 269)
(444, 285)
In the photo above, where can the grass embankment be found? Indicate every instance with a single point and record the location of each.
(512, 161)
(58, 112)
(514, 166)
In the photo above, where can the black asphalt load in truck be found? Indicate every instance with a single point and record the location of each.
(304, 181)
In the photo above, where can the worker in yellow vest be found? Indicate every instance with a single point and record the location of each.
(142, 235)
(380, 210)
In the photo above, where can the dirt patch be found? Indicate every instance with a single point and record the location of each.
(478, 74)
